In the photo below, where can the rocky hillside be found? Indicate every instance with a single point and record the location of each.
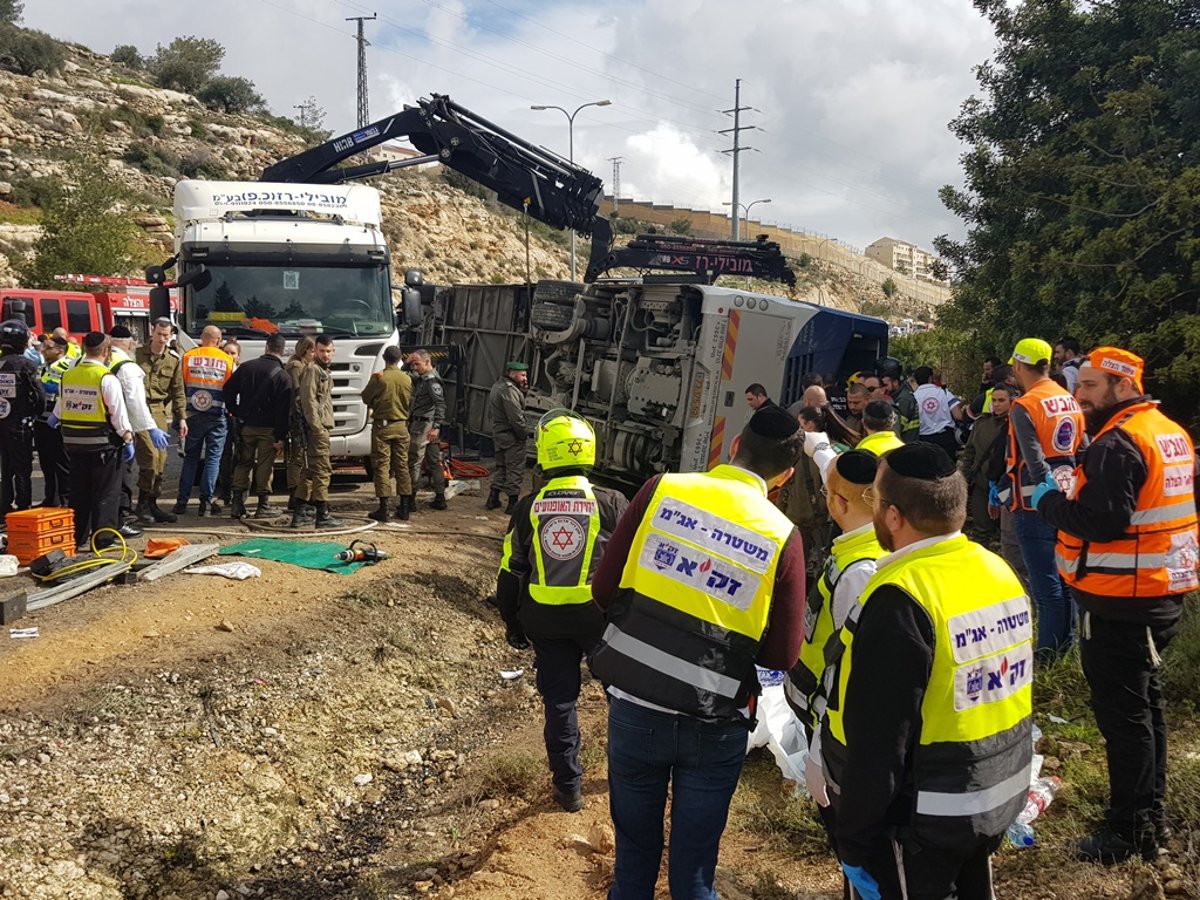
(152, 137)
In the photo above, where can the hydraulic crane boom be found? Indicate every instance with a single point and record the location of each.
(525, 177)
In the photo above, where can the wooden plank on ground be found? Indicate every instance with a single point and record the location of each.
(74, 587)
(178, 560)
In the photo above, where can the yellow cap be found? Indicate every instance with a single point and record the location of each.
(1031, 351)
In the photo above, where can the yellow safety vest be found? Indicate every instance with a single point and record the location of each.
(804, 687)
(117, 358)
(970, 768)
(566, 526)
(51, 376)
(880, 442)
(85, 425)
(695, 594)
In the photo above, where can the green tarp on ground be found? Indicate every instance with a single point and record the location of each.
(306, 554)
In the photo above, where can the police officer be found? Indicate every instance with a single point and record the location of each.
(506, 409)
(21, 399)
(1045, 432)
(316, 408)
(206, 369)
(98, 438)
(926, 744)
(168, 406)
(555, 541)
(258, 396)
(388, 395)
(424, 426)
(1127, 548)
(702, 579)
(52, 456)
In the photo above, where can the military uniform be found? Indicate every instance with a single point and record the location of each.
(316, 410)
(52, 456)
(388, 395)
(297, 484)
(506, 410)
(21, 398)
(428, 412)
(168, 404)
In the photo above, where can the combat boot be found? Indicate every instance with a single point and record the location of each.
(439, 501)
(382, 514)
(203, 510)
(265, 510)
(404, 507)
(493, 500)
(324, 519)
(302, 515)
(512, 506)
(160, 515)
(143, 513)
(237, 507)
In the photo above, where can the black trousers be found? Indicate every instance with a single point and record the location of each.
(944, 439)
(558, 680)
(924, 873)
(95, 492)
(56, 471)
(1122, 666)
(16, 467)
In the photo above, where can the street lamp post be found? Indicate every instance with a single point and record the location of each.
(571, 148)
(745, 208)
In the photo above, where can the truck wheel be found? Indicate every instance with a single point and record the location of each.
(556, 290)
(551, 316)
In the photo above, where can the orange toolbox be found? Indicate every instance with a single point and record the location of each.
(34, 532)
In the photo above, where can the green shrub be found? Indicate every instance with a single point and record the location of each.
(153, 161)
(128, 55)
(26, 51)
(200, 162)
(187, 63)
(230, 95)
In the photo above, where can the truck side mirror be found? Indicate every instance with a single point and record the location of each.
(160, 303)
(410, 308)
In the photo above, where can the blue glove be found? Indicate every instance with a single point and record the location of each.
(864, 885)
(53, 420)
(159, 438)
(127, 452)
(1048, 484)
(993, 494)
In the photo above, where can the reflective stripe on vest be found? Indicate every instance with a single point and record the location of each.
(970, 767)
(85, 424)
(205, 371)
(1060, 427)
(566, 529)
(803, 687)
(695, 594)
(1158, 554)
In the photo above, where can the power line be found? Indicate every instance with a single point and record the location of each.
(364, 116)
(737, 150)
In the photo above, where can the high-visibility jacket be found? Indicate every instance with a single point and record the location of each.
(695, 594)
(205, 371)
(805, 688)
(880, 442)
(1060, 428)
(566, 530)
(970, 765)
(51, 375)
(1157, 555)
(118, 358)
(85, 425)
(73, 350)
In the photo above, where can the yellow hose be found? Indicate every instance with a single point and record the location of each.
(128, 555)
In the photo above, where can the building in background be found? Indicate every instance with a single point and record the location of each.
(904, 258)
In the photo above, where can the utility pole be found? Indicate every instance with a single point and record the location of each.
(737, 148)
(364, 116)
(303, 107)
(616, 161)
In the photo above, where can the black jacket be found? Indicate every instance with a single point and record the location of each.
(28, 400)
(259, 394)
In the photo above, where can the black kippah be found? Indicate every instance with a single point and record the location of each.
(857, 466)
(773, 422)
(94, 339)
(920, 460)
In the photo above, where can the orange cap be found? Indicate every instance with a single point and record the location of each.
(1121, 363)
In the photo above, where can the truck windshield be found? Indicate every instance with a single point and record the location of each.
(293, 299)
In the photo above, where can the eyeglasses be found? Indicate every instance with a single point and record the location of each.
(871, 495)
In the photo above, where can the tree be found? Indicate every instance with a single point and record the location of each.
(939, 271)
(26, 51)
(187, 63)
(311, 115)
(128, 55)
(889, 287)
(231, 95)
(11, 11)
(1082, 198)
(682, 225)
(83, 227)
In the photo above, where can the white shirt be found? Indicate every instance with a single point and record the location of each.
(933, 405)
(850, 585)
(133, 387)
(114, 401)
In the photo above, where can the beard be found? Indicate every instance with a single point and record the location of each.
(1095, 417)
(881, 532)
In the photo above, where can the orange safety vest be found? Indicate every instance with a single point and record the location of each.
(1157, 555)
(205, 371)
(1060, 428)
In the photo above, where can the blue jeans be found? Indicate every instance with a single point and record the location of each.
(205, 431)
(1055, 608)
(702, 761)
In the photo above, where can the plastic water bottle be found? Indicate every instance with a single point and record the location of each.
(1041, 792)
(1020, 834)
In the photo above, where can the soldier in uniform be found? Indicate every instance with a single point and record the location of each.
(168, 405)
(21, 398)
(424, 424)
(388, 395)
(258, 396)
(316, 407)
(301, 357)
(51, 454)
(506, 409)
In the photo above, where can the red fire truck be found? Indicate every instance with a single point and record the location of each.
(115, 301)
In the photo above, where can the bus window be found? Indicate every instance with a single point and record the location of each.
(51, 309)
(23, 312)
(79, 316)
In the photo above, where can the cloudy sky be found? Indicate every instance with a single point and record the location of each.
(851, 97)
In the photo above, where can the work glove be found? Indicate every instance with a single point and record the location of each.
(53, 421)
(127, 452)
(993, 494)
(516, 639)
(814, 779)
(159, 438)
(1048, 484)
(864, 884)
(814, 440)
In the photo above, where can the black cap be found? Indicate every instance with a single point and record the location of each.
(119, 331)
(857, 466)
(94, 339)
(927, 462)
(771, 421)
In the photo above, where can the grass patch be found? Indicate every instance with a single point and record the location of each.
(512, 772)
(12, 214)
(1181, 662)
(763, 805)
